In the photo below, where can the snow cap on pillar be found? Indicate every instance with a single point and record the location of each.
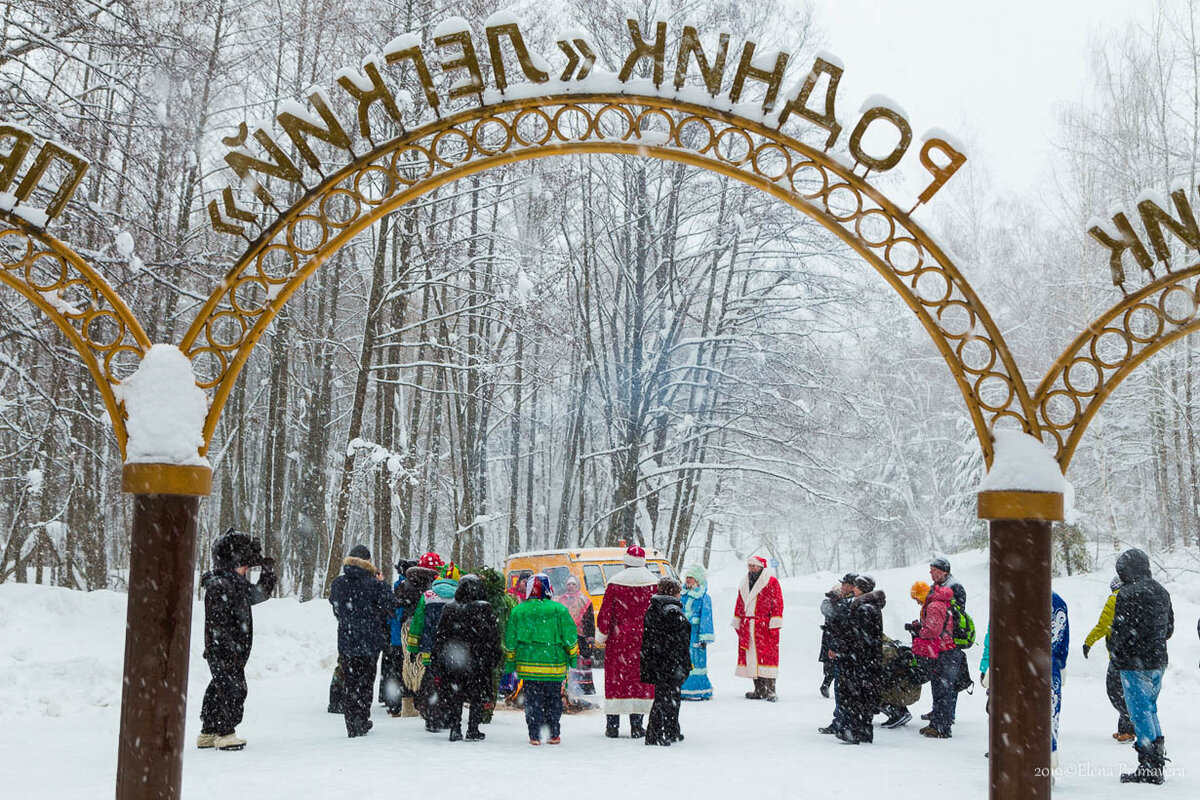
(757, 561)
(634, 557)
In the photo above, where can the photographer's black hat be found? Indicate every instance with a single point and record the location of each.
(236, 549)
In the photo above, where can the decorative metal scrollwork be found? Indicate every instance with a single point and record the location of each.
(348, 201)
(94, 318)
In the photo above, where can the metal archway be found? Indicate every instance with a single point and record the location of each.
(303, 237)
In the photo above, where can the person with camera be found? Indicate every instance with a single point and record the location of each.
(229, 634)
(933, 644)
(362, 603)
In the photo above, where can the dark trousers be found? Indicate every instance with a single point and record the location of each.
(1116, 696)
(224, 699)
(664, 713)
(454, 709)
(543, 707)
(839, 713)
(945, 698)
(391, 679)
(859, 701)
(358, 681)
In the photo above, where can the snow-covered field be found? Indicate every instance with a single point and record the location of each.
(60, 669)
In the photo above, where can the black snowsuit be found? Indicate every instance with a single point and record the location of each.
(666, 663)
(466, 649)
(858, 648)
(228, 637)
(361, 604)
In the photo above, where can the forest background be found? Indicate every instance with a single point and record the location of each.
(571, 351)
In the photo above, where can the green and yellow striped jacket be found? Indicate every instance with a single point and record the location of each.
(540, 641)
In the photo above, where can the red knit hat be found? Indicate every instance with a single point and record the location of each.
(635, 557)
(431, 560)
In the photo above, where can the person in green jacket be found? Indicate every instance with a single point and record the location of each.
(540, 643)
(1112, 679)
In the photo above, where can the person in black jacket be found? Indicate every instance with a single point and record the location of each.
(229, 634)
(466, 649)
(833, 609)
(666, 661)
(417, 581)
(1143, 620)
(362, 603)
(858, 651)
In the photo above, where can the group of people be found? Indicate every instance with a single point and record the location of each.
(872, 673)
(446, 640)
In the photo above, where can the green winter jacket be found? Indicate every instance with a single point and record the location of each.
(541, 641)
(418, 641)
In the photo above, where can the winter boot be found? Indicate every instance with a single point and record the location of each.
(408, 708)
(1143, 771)
(456, 733)
(1121, 736)
(636, 729)
(474, 734)
(757, 694)
(832, 728)
(846, 735)
(206, 740)
(933, 733)
(229, 741)
(768, 690)
(1158, 761)
(612, 726)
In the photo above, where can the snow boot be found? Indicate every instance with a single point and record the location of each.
(229, 741)
(832, 728)
(933, 733)
(1124, 737)
(474, 734)
(456, 733)
(408, 708)
(206, 740)
(612, 726)
(768, 690)
(636, 729)
(1142, 773)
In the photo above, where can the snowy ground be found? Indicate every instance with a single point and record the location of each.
(60, 667)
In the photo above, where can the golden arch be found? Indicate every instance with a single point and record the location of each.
(350, 200)
(1111, 347)
(85, 308)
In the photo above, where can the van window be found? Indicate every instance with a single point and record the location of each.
(610, 571)
(594, 579)
(558, 579)
(653, 566)
(518, 578)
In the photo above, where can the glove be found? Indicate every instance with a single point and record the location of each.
(1086, 649)
(704, 645)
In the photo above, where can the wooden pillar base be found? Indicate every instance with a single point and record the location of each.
(1019, 672)
(158, 630)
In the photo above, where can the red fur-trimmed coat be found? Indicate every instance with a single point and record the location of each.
(757, 617)
(619, 626)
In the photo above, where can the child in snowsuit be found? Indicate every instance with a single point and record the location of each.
(362, 603)
(229, 634)
(666, 661)
(466, 649)
(540, 643)
(697, 607)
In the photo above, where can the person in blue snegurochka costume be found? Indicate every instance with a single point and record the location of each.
(697, 607)
(1060, 642)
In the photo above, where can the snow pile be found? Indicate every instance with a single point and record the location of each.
(165, 410)
(1022, 464)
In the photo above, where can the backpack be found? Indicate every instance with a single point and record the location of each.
(963, 632)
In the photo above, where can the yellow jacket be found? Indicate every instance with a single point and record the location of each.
(1104, 625)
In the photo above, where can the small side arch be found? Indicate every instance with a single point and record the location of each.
(1108, 350)
(302, 238)
(85, 308)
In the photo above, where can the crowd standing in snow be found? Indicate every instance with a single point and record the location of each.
(229, 634)
(444, 639)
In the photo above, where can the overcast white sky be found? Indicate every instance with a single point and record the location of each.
(988, 72)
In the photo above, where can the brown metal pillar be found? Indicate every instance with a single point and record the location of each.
(1019, 671)
(158, 626)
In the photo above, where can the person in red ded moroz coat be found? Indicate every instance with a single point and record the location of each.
(757, 617)
(619, 628)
